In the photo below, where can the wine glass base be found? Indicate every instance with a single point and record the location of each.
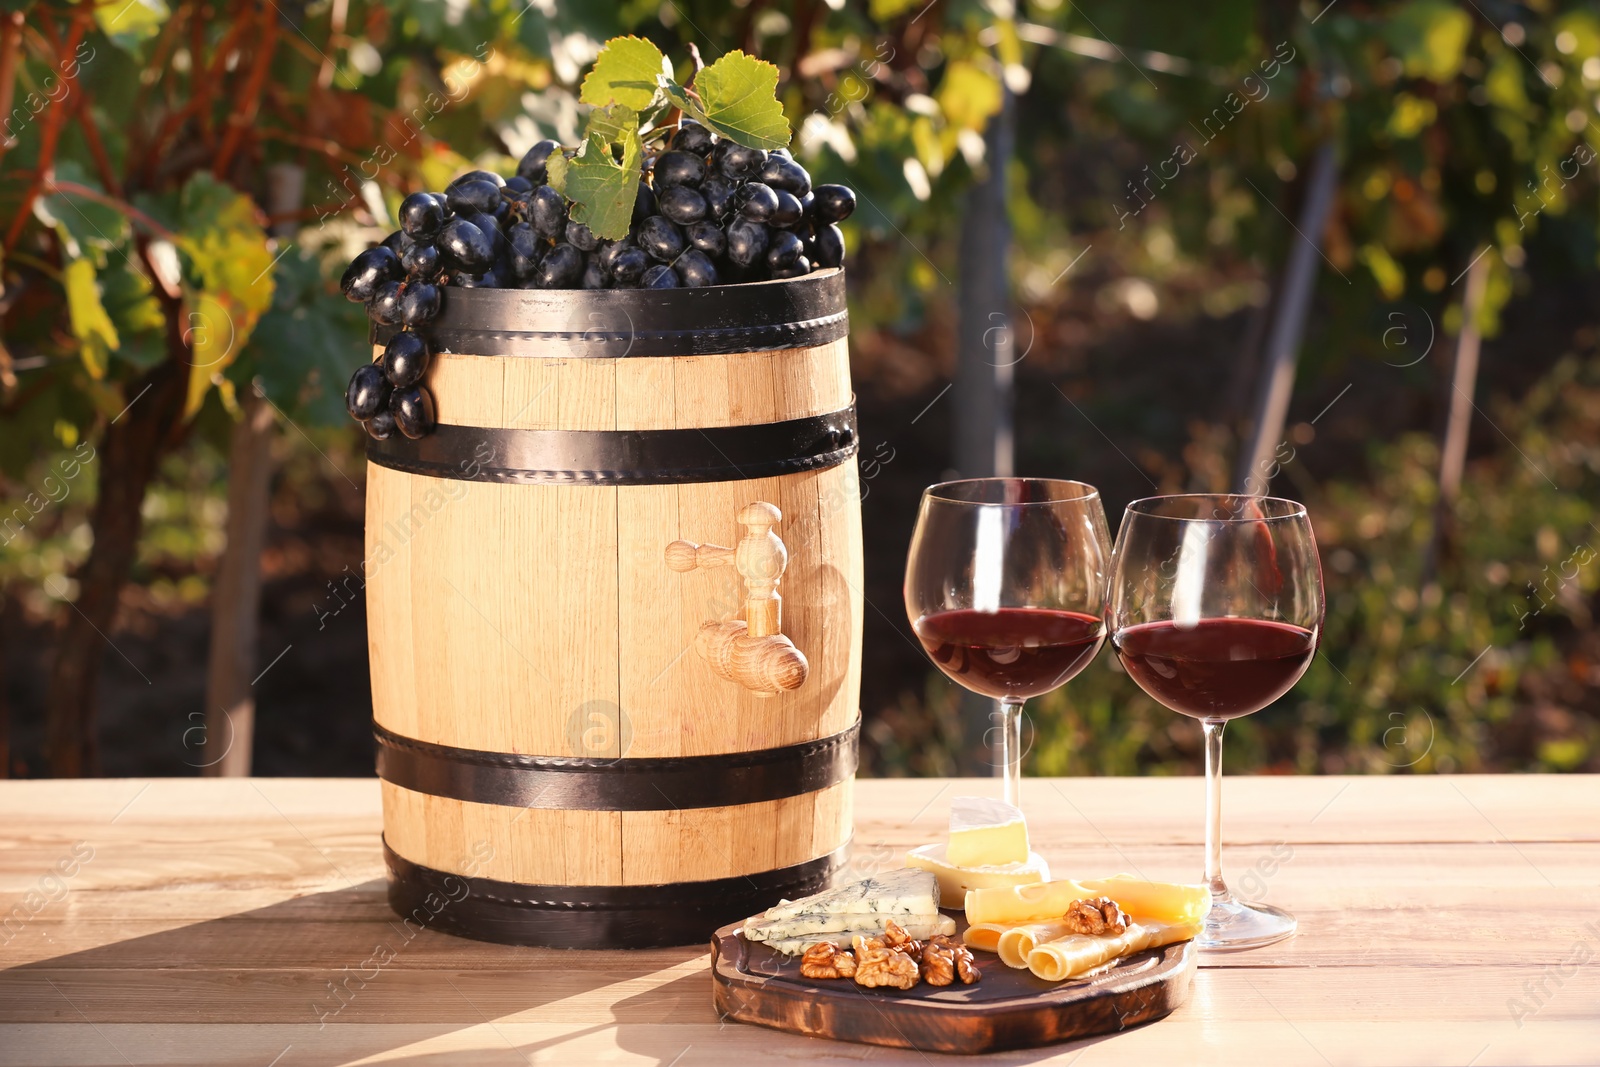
(1234, 924)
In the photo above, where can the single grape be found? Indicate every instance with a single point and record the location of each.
(799, 268)
(405, 359)
(675, 168)
(384, 307)
(695, 269)
(708, 237)
(660, 276)
(829, 246)
(628, 266)
(747, 241)
(548, 212)
(466, 246)
(421, 215)
(562, 268)
(781, 172)
(681, 204)
(784, 249)
(719, 193)
(474, 197)
(397, 242)
(524, 250)
(757, 201)
(420, 304)
(515, 185)
(609, 250)
(476, 176)
(421, 262)
(368, 392)
(834, 202)
(491, 229)
(413, 411)
(660, 238)
(693, 138)
(790, 212)
(736, 161)
(594, 275)
(369, 270)
(495, 278)
(534, 160)
(644, 204)
(381, 426)
(582, 238)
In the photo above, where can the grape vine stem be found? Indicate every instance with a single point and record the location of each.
(74, 189)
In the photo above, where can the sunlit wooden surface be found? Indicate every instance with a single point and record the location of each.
(1444, 920)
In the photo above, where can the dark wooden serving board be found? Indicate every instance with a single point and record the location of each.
(1006, 1009)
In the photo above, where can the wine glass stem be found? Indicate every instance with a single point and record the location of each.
(1009, 765)
(1213, 734)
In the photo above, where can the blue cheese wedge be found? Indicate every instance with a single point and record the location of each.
(839, 927)
(921, 929)
(905, 891)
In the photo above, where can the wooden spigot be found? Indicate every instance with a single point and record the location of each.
(752, 652)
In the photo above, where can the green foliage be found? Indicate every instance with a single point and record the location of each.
(302, 351)
(603, 189)
(737, 97)
(93, 328)
(628, 71)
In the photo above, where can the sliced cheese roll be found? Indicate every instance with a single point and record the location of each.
(1018, 942)
(1072, 955)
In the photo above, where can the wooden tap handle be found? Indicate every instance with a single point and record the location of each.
(761, 559)
(754, 653)
(686, 556)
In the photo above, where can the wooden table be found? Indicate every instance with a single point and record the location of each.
(1445, 920)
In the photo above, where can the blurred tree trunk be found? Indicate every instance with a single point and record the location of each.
(984, 355)
(236, 596)
(133, 445)
(1288, 324)
(1463, 382)
(983, 382)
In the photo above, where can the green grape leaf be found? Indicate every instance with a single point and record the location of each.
(737, 96)
(628, 71)
(603, 190)
(610, 122)
(228, 277)
(96, 334)
(129, 23)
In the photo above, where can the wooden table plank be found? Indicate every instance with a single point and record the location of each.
(1444, 920)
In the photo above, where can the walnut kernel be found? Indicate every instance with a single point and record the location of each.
(886, 967)
(1098, 916)
(826, 960)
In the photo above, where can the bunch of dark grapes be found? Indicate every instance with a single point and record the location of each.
(710, 212)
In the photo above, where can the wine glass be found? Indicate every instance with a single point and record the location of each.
(1005, 588)
(1215, 611)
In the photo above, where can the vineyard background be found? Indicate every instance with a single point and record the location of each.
(1103, 202)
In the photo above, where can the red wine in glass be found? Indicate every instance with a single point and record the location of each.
(1011, 653)
(1005, 588)
(1215, 606)
(1216, 668)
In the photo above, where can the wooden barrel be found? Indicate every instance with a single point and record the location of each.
(598, 724)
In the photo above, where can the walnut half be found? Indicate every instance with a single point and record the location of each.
(827, 960)
(1098, 916)
(886, 967)
(944, 960)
